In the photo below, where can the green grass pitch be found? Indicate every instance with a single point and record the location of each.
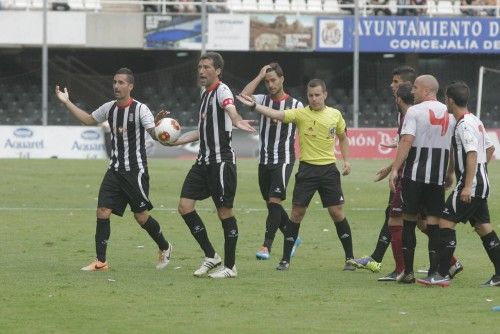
(47, 227)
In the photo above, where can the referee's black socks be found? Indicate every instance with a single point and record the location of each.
(344, 234)
(102, 232)
(197, 228)
(154, 230)
(291, 234)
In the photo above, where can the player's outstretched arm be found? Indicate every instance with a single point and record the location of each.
(240, 123)
(82, 115)
(278, 115)
(186, 138)
(252, 85)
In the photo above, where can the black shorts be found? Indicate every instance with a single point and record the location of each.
(322, 178)
(273, 180)
(419, 197)
(475, 212)
(121, 188)
(215, 180)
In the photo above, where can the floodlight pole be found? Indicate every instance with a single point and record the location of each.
(355, 88)
(45, 54)
(479, 92)
(203, 26)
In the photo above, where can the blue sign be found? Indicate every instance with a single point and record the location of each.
(409, 34)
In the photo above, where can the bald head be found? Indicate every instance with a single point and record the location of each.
(425, 88)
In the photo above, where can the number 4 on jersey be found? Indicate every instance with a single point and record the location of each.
(443, 121)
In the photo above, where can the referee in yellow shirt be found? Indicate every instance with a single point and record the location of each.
(317, 125)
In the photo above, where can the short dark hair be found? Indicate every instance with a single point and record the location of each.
(404, 93)
(407, 73)
(459, 92)
(216, 58)
(275, 67)
(128, 72)
(317, 82)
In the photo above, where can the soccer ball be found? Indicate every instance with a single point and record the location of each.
(167, 130)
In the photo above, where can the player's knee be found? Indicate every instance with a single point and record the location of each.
(141, 217)
(297, 214)
(483, 229)
(103, 213)
(184, 208)
(224, 213)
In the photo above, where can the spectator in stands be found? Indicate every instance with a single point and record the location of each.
(412, 11)
(347, 3)
(419, 11)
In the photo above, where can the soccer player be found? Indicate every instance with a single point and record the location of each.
(126, 180)
(277, 154)
(318, 125)
(214, 172)
(424, 150)
(472, 151)
(391, 233)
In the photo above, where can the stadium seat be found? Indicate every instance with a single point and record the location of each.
(298, 5)
(93, 5)
(76, 4)
(282, 5)
(431, 7)
(266, 5)
(314, 5)
(331, 6)
(249, 5)
(233, 5)
(445, 7)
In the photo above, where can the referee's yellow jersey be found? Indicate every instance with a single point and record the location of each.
(317, 131)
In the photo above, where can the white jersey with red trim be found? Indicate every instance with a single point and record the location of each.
(432, 126)
(470, 136)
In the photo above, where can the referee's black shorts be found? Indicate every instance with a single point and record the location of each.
(214, 180)
(475, 212)
(421, 197)
(322, 178)
(273, 180)
(121, 188)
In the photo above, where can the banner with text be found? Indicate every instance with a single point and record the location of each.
(67, 142)
(172, 31)
(228, 32)
(408, 34)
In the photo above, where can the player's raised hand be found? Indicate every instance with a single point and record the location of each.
(245, 99)
(263, 71)
(381, 174)
(346, 169)
(63, 96)
(162, 114)
(245, 125)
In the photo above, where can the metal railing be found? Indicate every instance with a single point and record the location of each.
(431, 8)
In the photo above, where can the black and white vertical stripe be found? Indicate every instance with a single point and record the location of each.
(480, 184)
(128, 144)
(215, 128)
(427, 164)
(277, 139)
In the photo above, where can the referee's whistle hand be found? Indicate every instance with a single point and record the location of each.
(346, 168)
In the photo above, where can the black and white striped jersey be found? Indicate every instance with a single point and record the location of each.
(470, 136)
(128, 124)
(432, 127)
(277, 139)
(215, 125)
